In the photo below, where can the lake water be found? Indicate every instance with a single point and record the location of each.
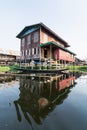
(44, 103)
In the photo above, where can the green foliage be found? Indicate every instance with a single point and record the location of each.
(71, 68)
(4, 68)
(77, 68)
(82, 68)
(8, 68)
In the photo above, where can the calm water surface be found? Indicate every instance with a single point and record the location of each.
(29, 103)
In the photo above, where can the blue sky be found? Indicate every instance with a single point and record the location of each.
(68, 18)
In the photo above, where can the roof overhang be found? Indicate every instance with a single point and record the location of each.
(27, 30)
(56, 45)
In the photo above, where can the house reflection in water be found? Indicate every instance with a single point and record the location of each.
(39, 96)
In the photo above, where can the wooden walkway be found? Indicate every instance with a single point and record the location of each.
(32, 71)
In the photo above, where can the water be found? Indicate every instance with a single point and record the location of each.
(44, 103)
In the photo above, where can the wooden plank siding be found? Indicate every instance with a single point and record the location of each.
(27, 46)
(49, 38)
(63, 55)
(45, 35)
(56, 53)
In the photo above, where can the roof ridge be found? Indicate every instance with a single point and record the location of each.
(42, 25)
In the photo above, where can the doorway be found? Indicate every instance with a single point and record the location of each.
(45, 53)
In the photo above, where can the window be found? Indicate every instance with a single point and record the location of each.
(36, 37)
(23, 41)
(32, 51)
(72, 56)
(45, 53)
(67, 55)
(29, 39)
(28, 52)
(45, 37)
(22, 53)
(38, 50)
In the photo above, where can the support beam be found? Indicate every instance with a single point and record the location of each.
(50, 54)
(40, 57)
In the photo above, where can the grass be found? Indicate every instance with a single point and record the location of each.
(71, 68)
(82, 68)
(4, 68)
(8, 68)
(77, 68)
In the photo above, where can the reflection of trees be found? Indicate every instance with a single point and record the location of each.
(38, 97)
(6, 78)
(28, 101)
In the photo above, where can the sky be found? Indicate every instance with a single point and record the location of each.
(67, 18)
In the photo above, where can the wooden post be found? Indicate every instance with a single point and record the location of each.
(62, 63)
(40, 58)
(20, 59)
(65, 63)
(20, 62)
(50, 54)
(32, 64)
(25, 62)
(56, 62)
(45, 64)
(59, 63)
(40, 48)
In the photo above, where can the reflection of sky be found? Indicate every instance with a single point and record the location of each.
(8, 92)
(78, 97)
(81, 87)
(8, 84)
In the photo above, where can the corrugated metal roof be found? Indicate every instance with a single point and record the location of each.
(9, 52)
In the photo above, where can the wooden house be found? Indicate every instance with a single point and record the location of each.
(40, 43)
(8, 57)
